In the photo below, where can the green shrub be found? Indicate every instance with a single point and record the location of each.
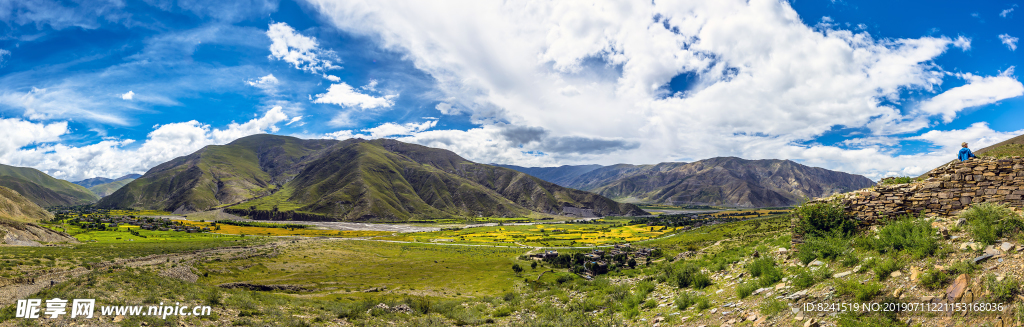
(963, 267)
(1002, 291)
(684, 300)
(914, 235)
(686, 275)
(703, 303)
(765, 269)
(896, 180)
(934, 279)
(820, 219)
(849, 259)
(744, 290)
(804, 279)
(860, 292)
(773, 307)
(828, 247)
(989, 222)
(886, 267)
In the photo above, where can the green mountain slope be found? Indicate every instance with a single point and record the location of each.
(1008, 148)
(216, 175)
(381, 180)
(718, 181)
(42, 189)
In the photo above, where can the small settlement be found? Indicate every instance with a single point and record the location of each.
(598, 261)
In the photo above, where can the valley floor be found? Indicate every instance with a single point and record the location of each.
(734, 274)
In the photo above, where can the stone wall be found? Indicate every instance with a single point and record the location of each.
(946, 190)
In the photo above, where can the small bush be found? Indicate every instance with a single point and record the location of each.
(685, 300)
(744, 290)
(1002, 291)
(914, 235)
(896, 180)
(804, 279)
(963, 267)
(934, 279)
(828, 247)
(820, 219)
(773, 307)
(886, 267)
(849, 260)
(989, 222)
(766, 270)
(860, 292)
(686, 275)
(703, 303)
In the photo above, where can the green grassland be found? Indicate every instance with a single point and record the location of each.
(743, 231)
(343, 269)
(18, 261)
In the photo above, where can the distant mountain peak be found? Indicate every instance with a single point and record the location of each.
(729, 181)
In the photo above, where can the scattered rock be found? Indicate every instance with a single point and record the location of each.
(843, 274)
(118, 318)
(812, 323)
(956, 290)
(815, 263)
(797, 295)
(961, 222)
(915, 274)
(981, 258)
(897, 292)
(896, 274)
(1006, 247)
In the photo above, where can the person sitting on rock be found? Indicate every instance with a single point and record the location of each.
(965, 153)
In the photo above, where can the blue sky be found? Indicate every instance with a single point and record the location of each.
(106, 88)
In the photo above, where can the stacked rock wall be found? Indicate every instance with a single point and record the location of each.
(947, 190)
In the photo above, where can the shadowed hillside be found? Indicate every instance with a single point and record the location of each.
(18, 216)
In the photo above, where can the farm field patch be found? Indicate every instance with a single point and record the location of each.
(552, 235)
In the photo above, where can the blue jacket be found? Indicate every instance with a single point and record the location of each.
(965, 154)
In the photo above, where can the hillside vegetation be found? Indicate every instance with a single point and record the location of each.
(42, 189)
(1008, 148)
(380, 180)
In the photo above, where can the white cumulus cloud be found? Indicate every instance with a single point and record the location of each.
(265, 81)
(301, 51)
(979, 91)
(762, 83)
(128, 96)
(344, 95)
(116, 157)
(1009, 41)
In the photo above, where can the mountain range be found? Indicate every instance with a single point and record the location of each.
(725, 181)
(105, 186)
(352, 180)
